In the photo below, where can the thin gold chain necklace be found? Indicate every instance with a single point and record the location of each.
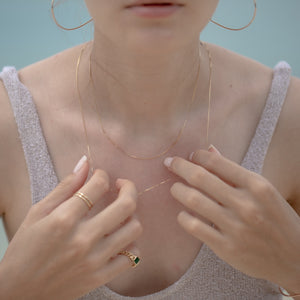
(84, 123)
(179, 133)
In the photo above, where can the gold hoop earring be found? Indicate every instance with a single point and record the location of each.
(242, 28)
(62, 27)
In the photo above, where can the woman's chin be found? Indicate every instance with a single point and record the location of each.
(154, 40)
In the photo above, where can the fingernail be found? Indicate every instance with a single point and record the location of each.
(80, 164)
(168, 161)
(212, 148)
(191, 155)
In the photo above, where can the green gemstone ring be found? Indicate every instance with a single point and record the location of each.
(135, 260)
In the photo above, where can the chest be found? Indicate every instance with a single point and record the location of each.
(167, 250)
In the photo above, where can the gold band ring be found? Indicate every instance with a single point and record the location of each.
(85, 199)
(135, 260)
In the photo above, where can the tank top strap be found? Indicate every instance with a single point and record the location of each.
(40, 168)
(255, 156)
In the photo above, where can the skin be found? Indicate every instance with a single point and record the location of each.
(126, 51)
(240, 204)
(126, 66)
(70, 249)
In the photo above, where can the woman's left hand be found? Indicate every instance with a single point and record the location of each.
(254, 228)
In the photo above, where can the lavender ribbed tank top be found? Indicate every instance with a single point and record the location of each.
(208, 278)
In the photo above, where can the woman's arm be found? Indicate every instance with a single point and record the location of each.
(7, 141)
(289, 133)
(254, 224)
(288, 142)
(58, 252)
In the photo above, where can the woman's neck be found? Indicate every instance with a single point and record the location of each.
(146, 92)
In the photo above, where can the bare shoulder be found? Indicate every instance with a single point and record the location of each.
(237, 64)
(51, 81)
(41, 79)
(46, 71)
(282, 163)
(246, 80)
(44, 80)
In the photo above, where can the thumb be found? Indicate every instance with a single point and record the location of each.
(64, 190)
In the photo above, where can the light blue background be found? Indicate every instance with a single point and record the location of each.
(28, 34)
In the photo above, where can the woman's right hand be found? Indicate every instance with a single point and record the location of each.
(57, 253)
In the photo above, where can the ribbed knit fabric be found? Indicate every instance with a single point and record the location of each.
(208, 278)
(40, 168)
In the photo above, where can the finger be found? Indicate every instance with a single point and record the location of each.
(126, 187)
(199, 203)
(94, 190)
(121, 238)
(117, 265)
(110, 218)
(64, 190)
(222, 167)
(200, 178)
(200, 230)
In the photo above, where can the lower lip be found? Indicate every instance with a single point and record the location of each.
(154, 11)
